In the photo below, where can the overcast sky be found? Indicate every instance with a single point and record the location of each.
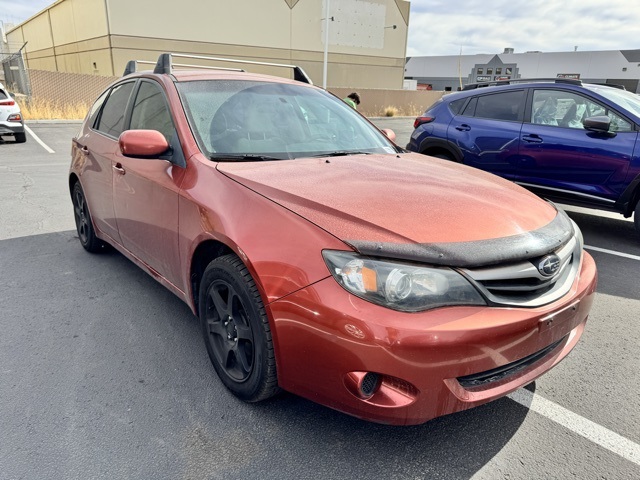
(443, 27)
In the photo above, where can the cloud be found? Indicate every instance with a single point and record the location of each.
(17, 11)
(442, 27)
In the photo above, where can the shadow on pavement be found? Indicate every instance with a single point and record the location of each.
(112, 366)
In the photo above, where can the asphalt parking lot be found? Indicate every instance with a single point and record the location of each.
(103, 372)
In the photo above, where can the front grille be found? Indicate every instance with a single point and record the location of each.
(493, 375)
(522, 284)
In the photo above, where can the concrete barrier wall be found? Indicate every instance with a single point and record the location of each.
(373, 102)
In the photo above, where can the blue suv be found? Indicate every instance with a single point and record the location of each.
(564, 140)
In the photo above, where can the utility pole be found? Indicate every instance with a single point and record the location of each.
(326, 44)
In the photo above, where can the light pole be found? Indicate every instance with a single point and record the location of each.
(326, 45)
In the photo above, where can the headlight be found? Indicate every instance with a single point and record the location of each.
(400, 286)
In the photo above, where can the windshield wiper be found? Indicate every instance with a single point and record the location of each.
(241, 157)
(340, 153)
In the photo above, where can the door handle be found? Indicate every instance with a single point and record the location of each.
(463, 128)
(532, 139)
(118, 168)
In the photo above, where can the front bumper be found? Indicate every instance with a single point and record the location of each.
(427, 364)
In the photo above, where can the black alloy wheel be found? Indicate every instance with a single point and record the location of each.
(236, 330)
(84, 226)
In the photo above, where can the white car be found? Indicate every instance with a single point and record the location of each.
(11, 121)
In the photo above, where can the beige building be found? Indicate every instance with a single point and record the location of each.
(367, 38)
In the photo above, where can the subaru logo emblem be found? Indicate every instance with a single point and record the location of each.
(549, 265)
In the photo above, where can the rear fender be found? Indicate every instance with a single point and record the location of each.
(433, 146)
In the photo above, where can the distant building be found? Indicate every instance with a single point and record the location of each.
(367, 38)
(621, 67)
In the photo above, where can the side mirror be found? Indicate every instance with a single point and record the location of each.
(391, 135)
(143, 143)
(600, 124)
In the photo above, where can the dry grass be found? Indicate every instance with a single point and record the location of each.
(390, 111)
(410, 110)
(413, 110)
(42, 109)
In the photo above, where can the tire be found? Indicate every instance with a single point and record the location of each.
(443, 156)
(236, 330)
(20, 137)
(84, 225)
(636, 216)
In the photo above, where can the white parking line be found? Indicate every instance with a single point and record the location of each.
(37, 139)
(586, 428)
(612, 252)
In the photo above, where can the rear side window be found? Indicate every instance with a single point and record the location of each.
(3, 96)
(112, 119)
(470, 109)
(95, 109)
(457, 105)
(501, 106)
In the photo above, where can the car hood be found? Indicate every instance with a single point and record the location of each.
(380, 202)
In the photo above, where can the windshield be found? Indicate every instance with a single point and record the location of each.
(257, 121)
(625, 99)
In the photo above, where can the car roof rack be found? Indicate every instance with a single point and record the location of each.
(166, 65)
(612, 85)
(132, 67)
(570, 81)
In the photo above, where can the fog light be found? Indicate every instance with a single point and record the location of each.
(369, 384)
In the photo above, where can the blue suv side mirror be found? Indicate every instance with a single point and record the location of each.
(601, 123)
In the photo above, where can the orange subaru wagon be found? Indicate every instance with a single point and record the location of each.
(319, 257)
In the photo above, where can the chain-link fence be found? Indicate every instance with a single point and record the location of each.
(54, 87)
(15, 74)
(69, 88)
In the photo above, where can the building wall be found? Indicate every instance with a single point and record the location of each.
(68, 36)
(593, 66)
(100, 36)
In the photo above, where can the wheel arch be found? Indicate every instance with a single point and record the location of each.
(635, 197)
(435, 146)
(203, 255)
(73, 179)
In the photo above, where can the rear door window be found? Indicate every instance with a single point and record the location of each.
(113, 114)
(501, 106)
